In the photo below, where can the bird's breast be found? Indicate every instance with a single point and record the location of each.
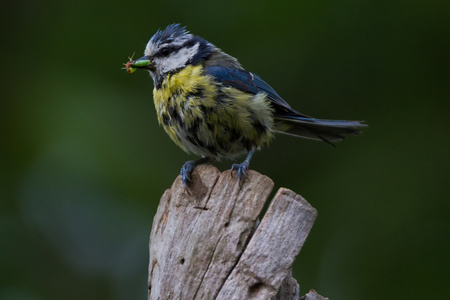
(207, 118)
(183, 103)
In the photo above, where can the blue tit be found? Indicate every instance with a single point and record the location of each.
(212, 107)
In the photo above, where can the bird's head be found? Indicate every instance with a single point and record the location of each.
(172, 49)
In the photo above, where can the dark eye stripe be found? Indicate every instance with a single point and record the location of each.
(167, 50)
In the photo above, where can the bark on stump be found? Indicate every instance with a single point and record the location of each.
(207, 244)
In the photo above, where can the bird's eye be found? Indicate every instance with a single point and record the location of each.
(165, 51)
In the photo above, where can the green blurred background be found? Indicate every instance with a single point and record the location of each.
(83, 161)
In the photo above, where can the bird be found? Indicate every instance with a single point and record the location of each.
(210, 106)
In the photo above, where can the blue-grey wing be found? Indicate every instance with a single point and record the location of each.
(247, 82)
(297, 124)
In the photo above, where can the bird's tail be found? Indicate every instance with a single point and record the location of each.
(329, 131)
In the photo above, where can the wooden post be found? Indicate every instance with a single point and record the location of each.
(207, 244)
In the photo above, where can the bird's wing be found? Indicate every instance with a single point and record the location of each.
(247, 82)
(291, 122)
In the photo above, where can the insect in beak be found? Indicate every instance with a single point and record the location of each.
(141, 63)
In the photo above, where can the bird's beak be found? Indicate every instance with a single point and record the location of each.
(141, 63)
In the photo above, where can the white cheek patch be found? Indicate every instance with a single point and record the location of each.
(176, 60)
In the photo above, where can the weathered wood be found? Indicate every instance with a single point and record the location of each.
(268, 258)
(203, 244)
(313, 295)
(289, 289)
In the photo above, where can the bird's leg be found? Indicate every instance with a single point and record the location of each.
(188, 167)
(242, 168)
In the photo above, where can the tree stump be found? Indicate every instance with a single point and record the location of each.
(207, 244)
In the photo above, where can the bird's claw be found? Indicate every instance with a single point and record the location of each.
(185, 173)
(242, 169)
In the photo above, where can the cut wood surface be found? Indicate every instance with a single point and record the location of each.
(206, 244)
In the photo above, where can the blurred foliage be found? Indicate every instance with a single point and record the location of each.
(83, 162)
